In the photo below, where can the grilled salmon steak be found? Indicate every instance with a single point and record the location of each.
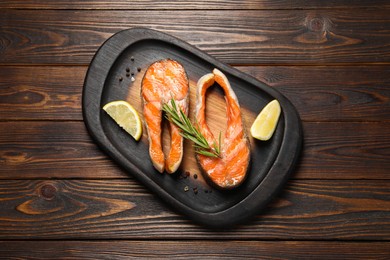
(230, 168)
(164, 80)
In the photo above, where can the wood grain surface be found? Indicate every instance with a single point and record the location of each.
(190, 249)
(90, 209)
(190, 5)
(235, 37)
(320, 93)
(57, 149)
(61, 197)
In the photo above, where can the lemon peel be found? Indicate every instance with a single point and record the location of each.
(125, 116)
(265, 123)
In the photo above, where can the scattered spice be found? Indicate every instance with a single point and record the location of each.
(132, 58)
(139, 69)
(127, 69)
(121, 78)
(186, 188)
(195, 190)
(183, 175)
(127, 74)
(132, 79)
(187, 174)
(132, 74)
(195, 176)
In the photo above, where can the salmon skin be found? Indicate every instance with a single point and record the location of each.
(164, 80)
(229, 170)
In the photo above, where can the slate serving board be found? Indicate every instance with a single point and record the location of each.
(115, 73)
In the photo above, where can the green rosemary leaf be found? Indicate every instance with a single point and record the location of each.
(200, 147)
(206, 153)
(196, 141)
(189, 131)
(219, 142)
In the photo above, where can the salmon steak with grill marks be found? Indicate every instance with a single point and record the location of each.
(164, 80)
(228, 170)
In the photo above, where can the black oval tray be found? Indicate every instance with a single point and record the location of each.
(127, 54)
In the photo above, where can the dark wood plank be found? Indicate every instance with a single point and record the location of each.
(43, 92)
(188, 4)
(52, 150)
(331, 150)
(120, 209)
(320, 93)
(191, 249)
(335, 151)
(234, 36)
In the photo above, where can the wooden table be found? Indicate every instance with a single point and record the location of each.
(62, 197)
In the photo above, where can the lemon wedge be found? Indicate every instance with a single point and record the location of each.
(265, 123)
(125, 116)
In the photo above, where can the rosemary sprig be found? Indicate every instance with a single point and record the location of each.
(189, 131)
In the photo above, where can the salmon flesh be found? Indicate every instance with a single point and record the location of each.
(164, 80)
(230, 168)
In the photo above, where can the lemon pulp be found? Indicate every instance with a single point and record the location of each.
(265, 123)
(125, 116)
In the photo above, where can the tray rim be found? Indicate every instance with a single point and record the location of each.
(274, 180)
